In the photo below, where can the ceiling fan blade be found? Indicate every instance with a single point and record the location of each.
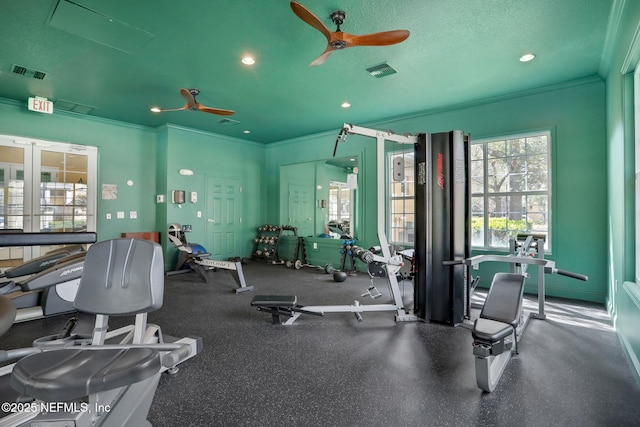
(217, 111)
(320, 59)
(191, 101)
(311, 19)
(377, 39)
(186, 107)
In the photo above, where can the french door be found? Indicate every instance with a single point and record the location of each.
(45, 187)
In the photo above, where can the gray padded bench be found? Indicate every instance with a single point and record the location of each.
(46, 376)
(280, 305)
(500, 314)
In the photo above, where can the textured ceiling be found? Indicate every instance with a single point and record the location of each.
(123, 57)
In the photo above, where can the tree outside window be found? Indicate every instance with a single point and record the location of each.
(510, 188)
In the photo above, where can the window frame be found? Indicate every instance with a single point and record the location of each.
(391, 228)
(485, 194)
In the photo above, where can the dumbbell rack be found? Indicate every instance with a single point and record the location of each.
(265, 244)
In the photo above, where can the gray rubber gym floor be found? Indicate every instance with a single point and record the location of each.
(336, 371)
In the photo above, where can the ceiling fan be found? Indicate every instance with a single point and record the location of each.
(192, 104)
(339, 40)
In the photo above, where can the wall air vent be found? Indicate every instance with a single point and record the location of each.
(381, 70)
(61, 104)
(27, 72)
(229, 122)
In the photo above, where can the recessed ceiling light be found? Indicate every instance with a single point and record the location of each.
(247, 60)
(155, 109)
(345, 104)
(527, 57)
(246, 131)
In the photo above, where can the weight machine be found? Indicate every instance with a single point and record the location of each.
(502, 322)
(443, 226)
(430, 167)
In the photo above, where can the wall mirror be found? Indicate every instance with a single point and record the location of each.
(320, 198)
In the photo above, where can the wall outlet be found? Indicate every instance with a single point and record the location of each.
(315, 245)
(108, 216)
(120, 215)
(199, 214)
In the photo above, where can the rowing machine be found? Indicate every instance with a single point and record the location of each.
(198, 260)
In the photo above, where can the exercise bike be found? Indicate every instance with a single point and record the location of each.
(62, 382)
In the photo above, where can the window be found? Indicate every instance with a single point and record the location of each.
(510, 188)
(45, 186)
(401, 220)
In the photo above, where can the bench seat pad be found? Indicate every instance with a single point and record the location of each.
(490, 330)
(274, 301)
(68, 374)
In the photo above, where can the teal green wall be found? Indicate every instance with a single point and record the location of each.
(151, 158)
(623, 291)
(125, 152)
(210, 155)
(573, 112)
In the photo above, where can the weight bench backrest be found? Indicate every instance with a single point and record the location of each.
(504, 301)
(121, 277)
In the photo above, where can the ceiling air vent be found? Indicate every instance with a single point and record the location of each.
(381, 70)
(27, 72)
(229, 122)
(61, 104)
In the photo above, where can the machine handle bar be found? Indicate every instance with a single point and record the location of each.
(176, 356)
(453, 262)
(572, 275)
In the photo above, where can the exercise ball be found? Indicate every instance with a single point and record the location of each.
(339, 276)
